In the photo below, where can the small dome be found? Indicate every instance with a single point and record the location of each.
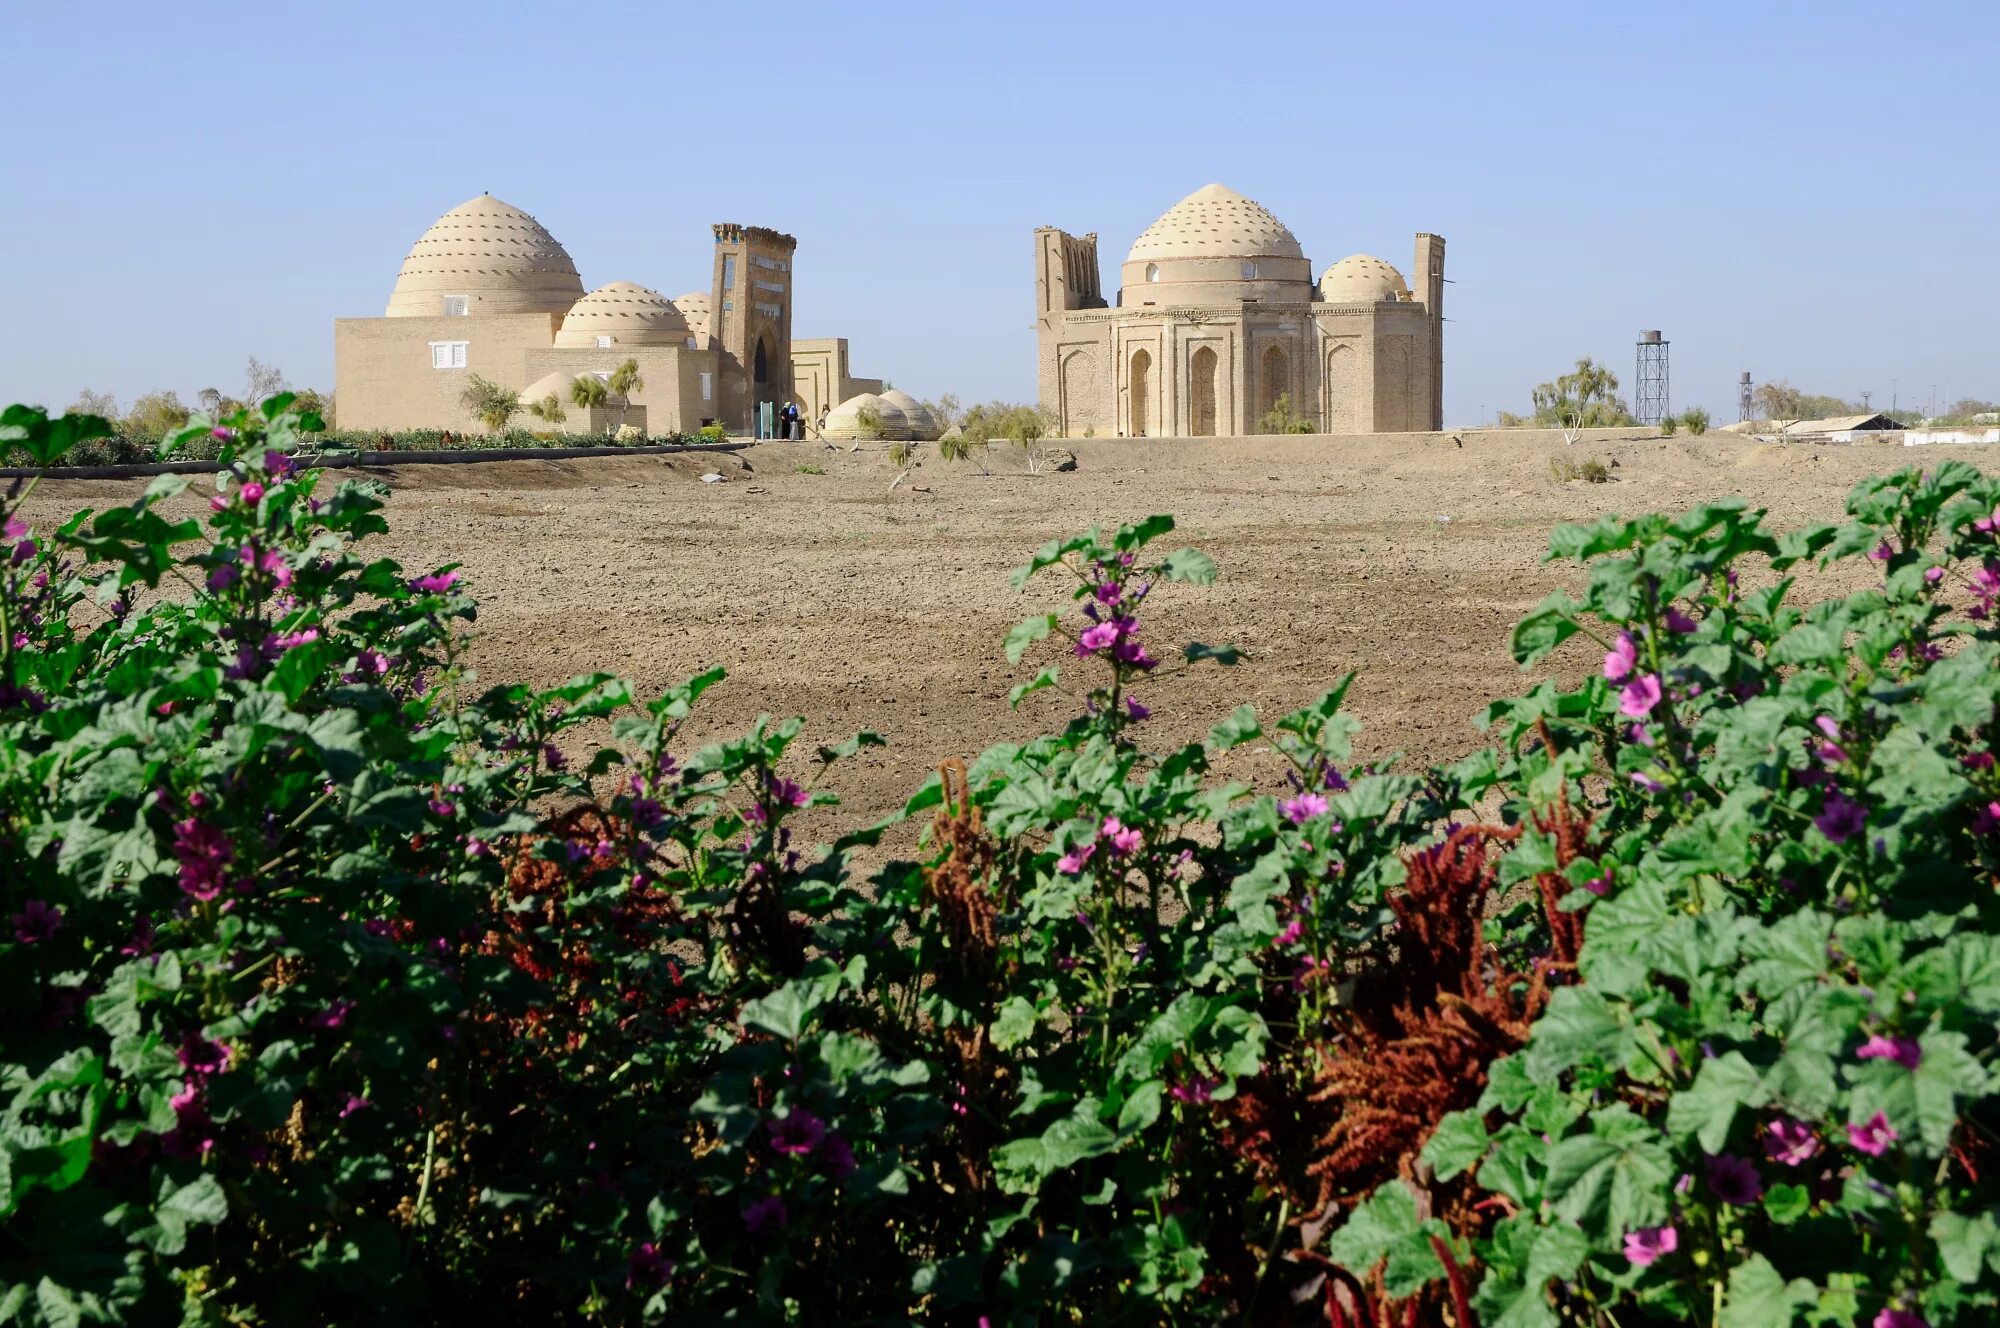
(923, 425)
(1362, 279)
(493, 255)
(1215, 222)
(626, 312)
(694, 307)
(843, 422)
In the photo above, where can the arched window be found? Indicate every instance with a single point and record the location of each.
(1274, 381)
(1152, 271)
(1142, 390)
(1201, 393)
(760, 367)
(1249, 270)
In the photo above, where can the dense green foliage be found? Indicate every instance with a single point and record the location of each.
(339, 986)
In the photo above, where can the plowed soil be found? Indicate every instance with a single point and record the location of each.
(828, 595)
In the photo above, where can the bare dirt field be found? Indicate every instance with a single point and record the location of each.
(1406, 557)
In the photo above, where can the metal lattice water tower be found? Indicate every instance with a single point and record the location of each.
(1649, 380)
(1746, 400)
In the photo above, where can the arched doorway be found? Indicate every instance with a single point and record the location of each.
(1201, 393)
(1343, 391)
(1142, 390)
(760, 367)
(1274, 381)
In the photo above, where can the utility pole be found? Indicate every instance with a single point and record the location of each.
(1864, 400)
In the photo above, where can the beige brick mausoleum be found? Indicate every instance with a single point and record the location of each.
(1219, 316)
(488, 290)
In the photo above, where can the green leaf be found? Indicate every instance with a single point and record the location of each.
(1787, 1203)
(1552, 623)
(1388, 1216)
(45, 440)
(1014, 1024)
(1141, 1109)
(784, 1012)
(1723, 1085)
(1614, 1179)
(1964, 1241)
(1239, 728)
(1026, 633)
(1759, 1297)
(1458, 1144)
(1045, 678)
(1195, 651)
(1189, 565)
(1577, 1029)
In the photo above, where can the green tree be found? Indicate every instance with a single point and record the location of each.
(1778, 400)
(492, 404)
(89, 402)
(625, 380)
(587, 392)
(549, 408)
(155, 415)
(311, 400)
(1584, 399)
(1280, 419)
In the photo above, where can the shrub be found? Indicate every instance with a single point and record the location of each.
(1669, 425)
(1281, 419)
(339, 988)
(1590, 470)
(1695, 420)
(713, 433)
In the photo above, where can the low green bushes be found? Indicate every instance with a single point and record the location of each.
(338, 988)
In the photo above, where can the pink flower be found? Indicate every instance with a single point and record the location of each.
(37, 921)
(1123, 840)
(1789, 1142)
(1734, 1180)
(1649, 1243)
(1294, 929)
(253, 493)
(204, 852)
(1072, 862)
(1985, 820)
(1901, 1318)
(437, 583)
(1882, 552)
(1638, 697)
(1830, 751)
(797, 1132)
(1194, 1091)
(1840, 818)
(1933, 575)
(1599, 884)
(1097, 638)
(1873, 1136)
(1624, 657)
(1904, 1051)
(1303, 808)
(1108, 592)
(333, 1016)
(764, 1215)
(354, 1102)
(293, 640)
(1678, 622)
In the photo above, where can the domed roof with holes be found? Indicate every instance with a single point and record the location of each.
(628, 313)
(1362, 277)
(1215, 222)
(694, 307)
(492, 253)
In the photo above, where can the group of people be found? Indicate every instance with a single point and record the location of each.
(792, 424)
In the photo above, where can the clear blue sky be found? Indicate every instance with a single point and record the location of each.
(1807, 191)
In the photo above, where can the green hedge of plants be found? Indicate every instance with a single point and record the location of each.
(333, 990)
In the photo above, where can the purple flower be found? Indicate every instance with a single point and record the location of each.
(201, 1057)
(1123, 840)
(333, 1016)
(1622, 659)
(837, 1157)
(797, 1132)
(1108, 592)
(1897, 1317)
(1097, 638)
(352, 1103)
(1600, 884)
(1649, 1243)
(437, 583)
(1638, 697)
(1194, 1091)
(1904, 1051)
(222, 578)
(204, 853)
(1840, 818)
(764, 1215)
(1882, 552)
(1072, 862)
(369, 663)
(1135, 711)
(37, 921)
(1303, 808)
(1294, 930)
(1789, 1142)
(1678, 622)
(1985, 820)
(1648, 783)
(648, 1267)
(1872, 1136)
(1734, 1180)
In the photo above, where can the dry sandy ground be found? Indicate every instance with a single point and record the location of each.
(827, 595)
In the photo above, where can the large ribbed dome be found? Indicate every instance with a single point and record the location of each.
(1215, 222)
(495, 255)
(1362, 277)
(626, 312)
(924, 426)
